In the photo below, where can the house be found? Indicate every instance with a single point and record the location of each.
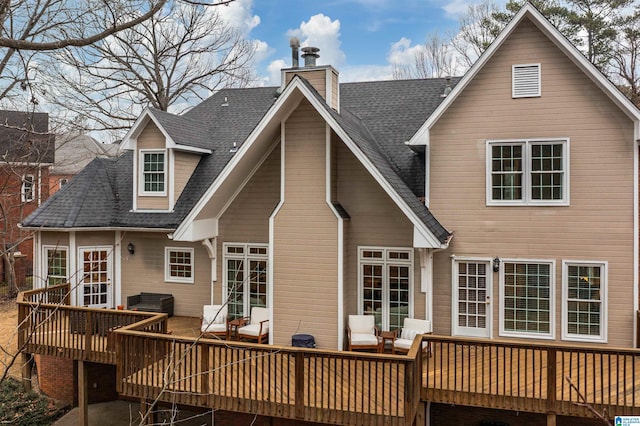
(26, 149)
(502, 205)
(73, 152)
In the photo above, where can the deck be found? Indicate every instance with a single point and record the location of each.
(167, 360)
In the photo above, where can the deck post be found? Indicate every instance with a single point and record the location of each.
(83, 394)
(551, 419)
(551, 382)
(26, 371)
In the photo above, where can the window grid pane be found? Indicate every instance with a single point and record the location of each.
(247, 278)
(472, 295)
(398, 295)
(546, 171)
(153, 171)
(506, 170)
(372, 291)
(235, 288)
(258, 283)
(584, 302)
(180, 265)
(56, 266)
(527, 288)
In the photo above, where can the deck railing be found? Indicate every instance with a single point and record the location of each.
(304, 384)
(47, 325)
(544, 378)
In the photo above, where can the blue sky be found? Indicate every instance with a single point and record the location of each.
(358, 37)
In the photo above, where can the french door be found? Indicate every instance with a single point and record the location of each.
(245, 278)
(96, 269)
(471, 308)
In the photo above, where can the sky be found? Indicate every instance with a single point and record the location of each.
(360, 38)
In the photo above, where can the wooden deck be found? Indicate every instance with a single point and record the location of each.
(167, 360)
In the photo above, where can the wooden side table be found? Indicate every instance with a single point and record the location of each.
(387, 336)
(233, 327)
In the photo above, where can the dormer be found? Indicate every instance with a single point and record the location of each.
(324, 78)
(166, 151)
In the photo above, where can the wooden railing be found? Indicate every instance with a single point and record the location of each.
(286, 382)
(47, 325)
(543, 378)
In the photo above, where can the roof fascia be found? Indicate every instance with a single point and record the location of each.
(128, 143)
(95, 228)
(421, 137)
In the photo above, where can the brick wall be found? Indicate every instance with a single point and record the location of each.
(56, 378)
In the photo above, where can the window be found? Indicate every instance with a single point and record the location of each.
(153, 176)
(385, 281)
(527, 172)
(526, 81)
(57, 272)
(179, 265)
(245, 277)
(27, 188)
(584, 292)
(63, 182)
(527, 289)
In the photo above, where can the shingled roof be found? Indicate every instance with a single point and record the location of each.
(378, 116)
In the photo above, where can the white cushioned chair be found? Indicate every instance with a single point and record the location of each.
(214, 321)
(412, 327)
(258, 327)
(362, 333)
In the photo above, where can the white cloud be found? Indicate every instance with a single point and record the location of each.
(366, 73)
(321, 32)
(273, 72)
(402, 52)
(240, 15)
(455, 8)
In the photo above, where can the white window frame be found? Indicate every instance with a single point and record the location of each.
(45, 257)
(602, 338)
(246, 256)
(27, 197)
(385, 262)
(62, 182)
(167, 266)
(527, 172)
(141, 172)
(538, 83)
(552, 300)
(455, 276)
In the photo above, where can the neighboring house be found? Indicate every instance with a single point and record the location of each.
(506, 209)
(73, 152)
(26, 154)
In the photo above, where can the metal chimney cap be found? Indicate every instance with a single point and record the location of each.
(310, 50)
(310, 54)
(294, 42)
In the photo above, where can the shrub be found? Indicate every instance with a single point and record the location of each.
(21, 408)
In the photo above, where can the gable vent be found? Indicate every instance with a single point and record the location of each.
(526, 81)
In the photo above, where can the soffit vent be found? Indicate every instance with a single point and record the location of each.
(526, 81)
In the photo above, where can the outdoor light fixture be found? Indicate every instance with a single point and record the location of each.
(496, 264)
(130, 248)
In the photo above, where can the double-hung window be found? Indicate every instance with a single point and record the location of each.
(57, 265)
(28, 189)
(153, 176)
(385, 281)
(178, 265)
(528, 172)
(584, 291)
(245, 277)
(527, 298)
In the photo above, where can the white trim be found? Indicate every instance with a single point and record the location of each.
(538, 83)
(527, 172)
(552, 300)
(38, 277)
(385, 262)
(165, 172)
(73, 267)
(460, 331)
(604, 278)
(422, 136)
(151, 210)
(23, 194)
(171, 179)
(167, 270)
(109, 293)
(636, 237)
(245, 257)
(106, 228)
(117, 268)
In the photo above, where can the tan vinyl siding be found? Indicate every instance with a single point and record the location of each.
(316, 76)
(151, 138)
(247, 218)
(375, 221)
(598, 224)
(144, 271)
(185, 164)
(335, 90)
(305, 237)
(54, 238)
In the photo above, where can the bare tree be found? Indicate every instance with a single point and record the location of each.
(626, 58)
(174, 59)
(478, 29)
(432, 59)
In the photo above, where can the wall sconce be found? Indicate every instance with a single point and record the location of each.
(496, 264)
(130, 248)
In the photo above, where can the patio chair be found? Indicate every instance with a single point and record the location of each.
(412, 327)
(214, 321)
(362, 333)
(258, 326)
